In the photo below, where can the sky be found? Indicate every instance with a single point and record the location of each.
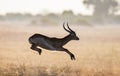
(43, 6)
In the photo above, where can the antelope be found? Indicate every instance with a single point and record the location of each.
(53, 43)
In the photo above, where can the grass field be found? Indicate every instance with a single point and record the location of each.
(97, 52)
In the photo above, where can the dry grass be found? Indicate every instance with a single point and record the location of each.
(97, 53)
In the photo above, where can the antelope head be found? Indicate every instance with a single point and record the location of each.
(72, 33)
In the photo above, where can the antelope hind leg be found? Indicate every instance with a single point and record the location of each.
(34, 47)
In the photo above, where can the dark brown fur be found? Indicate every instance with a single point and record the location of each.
(55, 44)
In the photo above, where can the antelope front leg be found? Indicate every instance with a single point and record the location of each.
(71, 55)
(34, 47)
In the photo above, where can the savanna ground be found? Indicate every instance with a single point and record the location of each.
(97, 52)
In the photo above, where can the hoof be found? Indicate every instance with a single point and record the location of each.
(39, 52)
(73, 57)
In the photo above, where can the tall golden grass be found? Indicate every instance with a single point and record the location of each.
(97, 53)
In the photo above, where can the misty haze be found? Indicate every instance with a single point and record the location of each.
(97, 52)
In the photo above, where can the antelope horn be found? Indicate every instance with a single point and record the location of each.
(69, 28)
(65, 28)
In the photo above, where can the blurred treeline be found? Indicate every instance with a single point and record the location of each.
(105, 12)
(50, 18)
(53, 18)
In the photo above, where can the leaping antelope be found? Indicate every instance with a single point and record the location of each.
(52, 43)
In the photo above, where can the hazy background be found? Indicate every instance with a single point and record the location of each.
(96, 23)
(82, 12)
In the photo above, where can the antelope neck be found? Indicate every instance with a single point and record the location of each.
(66, 39)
